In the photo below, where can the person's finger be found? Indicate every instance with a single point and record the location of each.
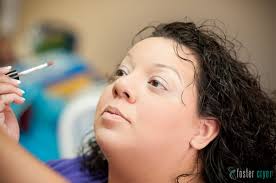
(5, 70)
(2, 115)
(8, 88)
(2, 106)
(11, 97)
(7, 79)
(11, 125)
(2, 119)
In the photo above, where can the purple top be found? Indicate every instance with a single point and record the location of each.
(71, 169)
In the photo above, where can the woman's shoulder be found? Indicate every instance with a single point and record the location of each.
(73, 171)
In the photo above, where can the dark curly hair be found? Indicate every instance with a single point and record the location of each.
(228, 92)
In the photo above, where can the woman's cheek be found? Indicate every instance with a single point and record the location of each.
(103, 100)
(164, 121)
(155, 119)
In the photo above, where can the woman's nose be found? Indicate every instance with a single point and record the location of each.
(122, 89)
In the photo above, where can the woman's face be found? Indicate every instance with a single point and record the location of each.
(148, 89)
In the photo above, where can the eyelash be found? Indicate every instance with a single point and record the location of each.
(114, 76)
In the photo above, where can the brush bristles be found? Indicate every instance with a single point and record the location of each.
(50, 63)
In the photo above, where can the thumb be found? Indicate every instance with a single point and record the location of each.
(2, 115)
(11, 123)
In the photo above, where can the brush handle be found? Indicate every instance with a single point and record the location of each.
(13, 74)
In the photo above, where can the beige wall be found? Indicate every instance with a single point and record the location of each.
(107, 27)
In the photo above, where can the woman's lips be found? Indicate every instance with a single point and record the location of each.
(113, 117)
(113, 113)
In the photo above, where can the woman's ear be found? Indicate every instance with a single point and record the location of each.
(207, 131)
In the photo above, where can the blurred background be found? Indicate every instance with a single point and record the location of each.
(87, 38)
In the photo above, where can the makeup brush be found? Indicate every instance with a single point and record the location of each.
(15, 75)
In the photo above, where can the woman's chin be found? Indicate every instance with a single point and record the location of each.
(110, 141)
(111, 130)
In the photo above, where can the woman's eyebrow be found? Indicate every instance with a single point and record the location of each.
(170, 68)
(130, 60)
(158, 65)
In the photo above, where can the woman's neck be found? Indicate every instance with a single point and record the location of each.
(149, 169)
(115, 176)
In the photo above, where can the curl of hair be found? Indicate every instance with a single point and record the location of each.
(93, 160)
(232, 95)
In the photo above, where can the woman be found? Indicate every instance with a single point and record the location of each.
(180, 107)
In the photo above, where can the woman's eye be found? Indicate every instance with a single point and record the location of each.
(120, 72)
(157, 84)
(116, 74)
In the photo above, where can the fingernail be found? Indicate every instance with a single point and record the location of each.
(17, 81)
(7, 67)
(22, 91)
(23, 99)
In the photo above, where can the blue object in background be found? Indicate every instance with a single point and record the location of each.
(39, 131)
(39, 115)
